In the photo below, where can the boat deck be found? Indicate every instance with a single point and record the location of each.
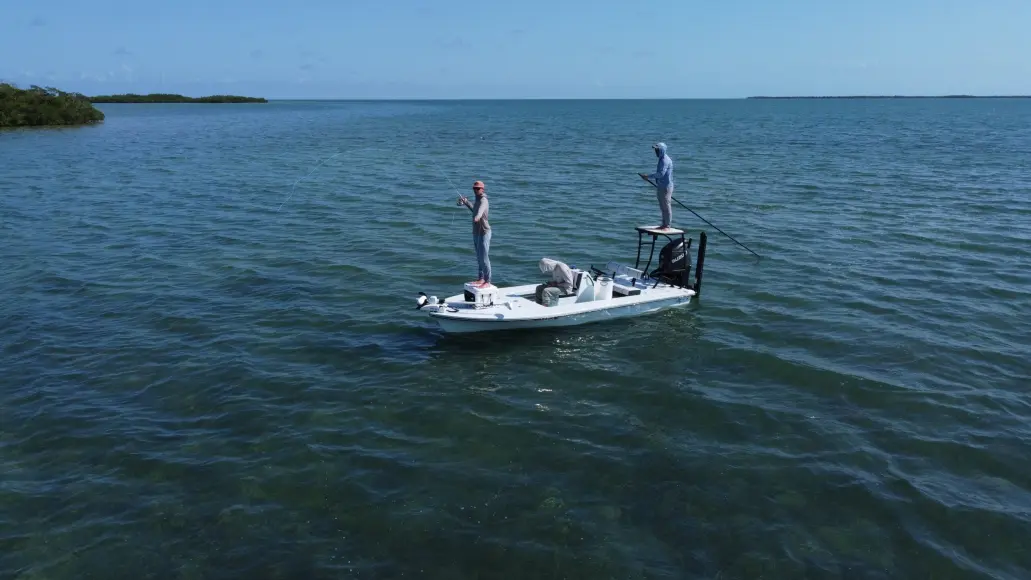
(519, 302)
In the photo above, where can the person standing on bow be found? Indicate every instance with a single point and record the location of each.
(663, 177)
(481, 231)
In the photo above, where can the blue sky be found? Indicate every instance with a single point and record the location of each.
(525, 49)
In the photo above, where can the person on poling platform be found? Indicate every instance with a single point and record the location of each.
(481, 232)
(663, 177)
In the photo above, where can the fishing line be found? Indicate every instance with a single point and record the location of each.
(313, 169)
(448, 179)
(643, 176)
(437, 167)
(322, 161)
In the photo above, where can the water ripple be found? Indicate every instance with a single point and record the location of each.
(213, 367)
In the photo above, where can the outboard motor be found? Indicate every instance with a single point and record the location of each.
(674, 262)
(673, 258)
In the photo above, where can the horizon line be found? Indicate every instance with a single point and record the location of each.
(558, 98)
(751, 97)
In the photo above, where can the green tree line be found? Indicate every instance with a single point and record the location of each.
(171, 98)
(38, 106)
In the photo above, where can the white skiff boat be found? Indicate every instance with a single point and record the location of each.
(617, 291)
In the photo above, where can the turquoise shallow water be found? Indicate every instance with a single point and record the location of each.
(213, 370)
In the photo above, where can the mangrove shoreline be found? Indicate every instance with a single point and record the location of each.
(45, 107)
(173, 98)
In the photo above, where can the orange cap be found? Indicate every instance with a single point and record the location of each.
(479, 185)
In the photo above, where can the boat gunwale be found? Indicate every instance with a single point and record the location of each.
(682, 294)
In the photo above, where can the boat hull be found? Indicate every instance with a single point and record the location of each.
(458, 325)
(619, 291)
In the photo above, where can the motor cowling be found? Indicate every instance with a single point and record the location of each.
(674, 258)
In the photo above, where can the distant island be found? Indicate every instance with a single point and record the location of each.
(170, 98)
(38, 106)
(905, 97)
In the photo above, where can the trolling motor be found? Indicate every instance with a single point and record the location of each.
(424, 301)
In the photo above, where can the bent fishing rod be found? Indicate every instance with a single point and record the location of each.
(645, 177)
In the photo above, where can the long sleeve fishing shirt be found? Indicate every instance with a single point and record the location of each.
(663, 175)
(480, 210)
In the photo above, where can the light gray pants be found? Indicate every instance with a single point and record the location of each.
(665, 196)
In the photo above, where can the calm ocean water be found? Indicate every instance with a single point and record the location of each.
(212, 367)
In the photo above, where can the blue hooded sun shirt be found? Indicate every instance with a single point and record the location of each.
(663, 175)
